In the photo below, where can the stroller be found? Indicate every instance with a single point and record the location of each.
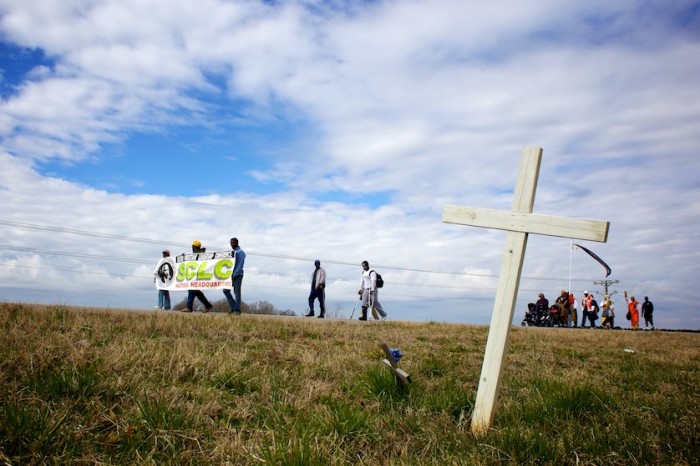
(540, 317)
(553, 318)
(534, 316)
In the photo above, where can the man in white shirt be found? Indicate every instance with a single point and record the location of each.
(369, 292)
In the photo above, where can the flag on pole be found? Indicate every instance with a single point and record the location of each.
(595, 256)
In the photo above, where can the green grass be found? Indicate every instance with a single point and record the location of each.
(30, 429)
(91, 386)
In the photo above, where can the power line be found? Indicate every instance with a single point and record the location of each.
(348, 284)
(277, 274)
(79, 232)
(185, 245)
(345, 283)
(261, 254)
(91, 272)
(75, 254)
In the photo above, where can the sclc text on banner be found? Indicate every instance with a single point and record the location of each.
(195, 271)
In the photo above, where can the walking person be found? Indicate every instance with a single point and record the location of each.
(585, 302)
(592, 311)
(192, 294)
(632, 312)
(573, 313)
(236, 278)
(368, 292)
(164, 273)
(648, 313)
(541, 308)
(318, 290)
(608, 308)
(563, 305)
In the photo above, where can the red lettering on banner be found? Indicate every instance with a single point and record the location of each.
(217, 284)
(201, 284)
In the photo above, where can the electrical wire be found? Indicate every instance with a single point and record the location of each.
(261, 254)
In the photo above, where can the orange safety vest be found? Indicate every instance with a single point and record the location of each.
(586, 302)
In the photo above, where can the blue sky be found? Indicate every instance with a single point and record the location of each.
(338, 130)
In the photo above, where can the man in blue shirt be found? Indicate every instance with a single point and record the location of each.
(236, 278)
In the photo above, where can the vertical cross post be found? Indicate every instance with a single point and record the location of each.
(506, 294)
(519, 223)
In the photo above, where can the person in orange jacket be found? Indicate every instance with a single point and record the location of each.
(633, 311)
(573, 313)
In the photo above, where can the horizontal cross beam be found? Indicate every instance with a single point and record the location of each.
(524, 222)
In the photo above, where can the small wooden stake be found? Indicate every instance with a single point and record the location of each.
(401, 375)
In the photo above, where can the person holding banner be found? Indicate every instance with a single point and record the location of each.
(191, 294)
(236, 278)
(165, 272)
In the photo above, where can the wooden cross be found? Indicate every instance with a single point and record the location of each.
(519, 223)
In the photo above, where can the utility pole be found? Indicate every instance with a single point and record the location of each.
(606, 284)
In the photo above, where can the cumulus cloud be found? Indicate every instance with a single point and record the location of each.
(382, 113)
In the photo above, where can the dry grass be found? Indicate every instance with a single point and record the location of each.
(119, 387)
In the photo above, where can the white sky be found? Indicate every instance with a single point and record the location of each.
(337, 130)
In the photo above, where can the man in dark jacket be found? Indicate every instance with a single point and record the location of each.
(648, 313)
(191, 294)
(318, 286)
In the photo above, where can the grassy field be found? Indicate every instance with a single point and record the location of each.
(91, 386)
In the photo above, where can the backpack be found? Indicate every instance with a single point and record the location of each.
(380, 280)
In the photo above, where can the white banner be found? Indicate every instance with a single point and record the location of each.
(205, 270)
